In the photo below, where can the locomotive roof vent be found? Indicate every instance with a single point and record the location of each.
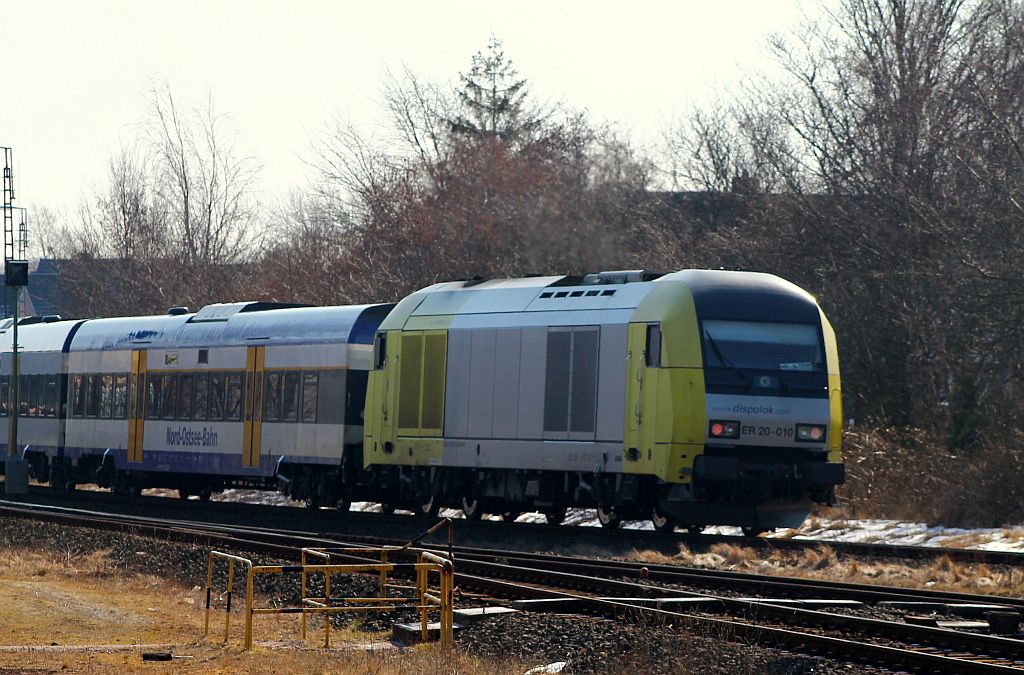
(177, 311)
(52, 318)
(619, 277)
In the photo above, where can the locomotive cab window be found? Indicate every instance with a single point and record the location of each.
(380, 351)
(652, 350)
(762, 346)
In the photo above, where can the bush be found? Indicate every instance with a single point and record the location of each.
(905, 474)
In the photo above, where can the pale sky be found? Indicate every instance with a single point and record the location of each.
(75, 73)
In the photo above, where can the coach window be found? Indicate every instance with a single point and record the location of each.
(168, 396)
(290, 397)
(233, 407)
(120, 397)
(185, 396)
(153, 385)
(5, 383)
(78, 396)
(50, 403)
(24, 393)
(36, 404)
(92, 398)
(309, 382)
(201, 396)
(218, 385)
(106, 395)
(273, 398)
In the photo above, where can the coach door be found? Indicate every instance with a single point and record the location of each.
(253, 433)
(137, 406)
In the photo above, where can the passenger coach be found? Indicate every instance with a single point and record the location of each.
(235, 394)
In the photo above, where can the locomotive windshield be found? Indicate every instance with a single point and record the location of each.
(751, 345)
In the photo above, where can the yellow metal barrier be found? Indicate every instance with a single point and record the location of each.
(424, 598)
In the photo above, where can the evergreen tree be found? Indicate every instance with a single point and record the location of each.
(493, 98)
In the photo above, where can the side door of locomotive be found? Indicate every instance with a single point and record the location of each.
(643, 369)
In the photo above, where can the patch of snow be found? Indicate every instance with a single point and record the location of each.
(896, 532)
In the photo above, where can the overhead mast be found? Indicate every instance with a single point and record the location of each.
(8, 217)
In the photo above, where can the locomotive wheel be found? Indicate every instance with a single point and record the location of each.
(694, 529)
(662, 521)
(344, 503)
(510, 516)
(471, 509)
(427, 507)
(555, 516)
(608, 517)
(752, 531)
(204, 494)
(387, 508)
(183, 494)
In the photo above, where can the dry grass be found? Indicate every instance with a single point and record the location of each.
(822, 562)
(66, 613)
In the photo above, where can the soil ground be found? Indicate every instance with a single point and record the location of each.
(80, 615)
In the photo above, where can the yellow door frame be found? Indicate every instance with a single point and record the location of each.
(137, 405)
(252, 435)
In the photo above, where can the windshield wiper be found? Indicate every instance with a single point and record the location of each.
(723, 360)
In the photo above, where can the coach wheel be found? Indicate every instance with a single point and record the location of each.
(694, 529)
(511, 515)
(609, 517)
(344, 503)
(204, 494)
(183, 494)
(427, 507)
(471, 509)
(556, 516)
(662, 521)
(752, 531)
(387, 508)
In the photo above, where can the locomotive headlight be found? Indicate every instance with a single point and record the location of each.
(810, 433)
(723, 429)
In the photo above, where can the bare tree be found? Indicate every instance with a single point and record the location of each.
(204, 181)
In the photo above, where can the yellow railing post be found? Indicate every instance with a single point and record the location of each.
(248, 607)
(302, 595)
(327, 604)
(209, 587)
(227, 614)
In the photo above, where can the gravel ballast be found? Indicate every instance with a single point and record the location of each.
(587, 644)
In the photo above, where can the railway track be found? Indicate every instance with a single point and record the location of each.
(331, 522)
(645, 593)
